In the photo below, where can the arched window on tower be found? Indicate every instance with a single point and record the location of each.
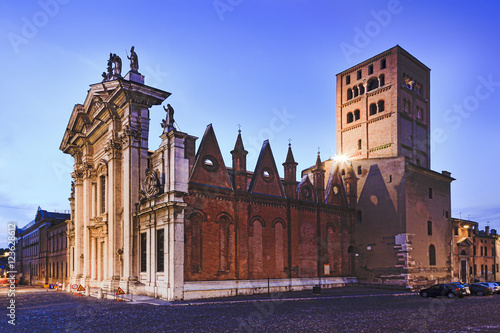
(420, 114)
(350, 118)
(381, 79)
(383, 64)
(355, 91)
(381, 106)
(359, 144)
(432, 255)
(373, 109)
(372, 84)
(349, 94)
(361, 89)
(356, 114)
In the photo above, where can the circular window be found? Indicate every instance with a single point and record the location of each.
(267, 174)
(210, 163)
(335, 189)
(306, 192)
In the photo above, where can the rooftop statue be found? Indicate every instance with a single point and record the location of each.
(134, 62)
(168, 123)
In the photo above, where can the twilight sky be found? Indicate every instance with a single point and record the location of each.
(268, 65)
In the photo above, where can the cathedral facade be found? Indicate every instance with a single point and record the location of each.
(177, 223)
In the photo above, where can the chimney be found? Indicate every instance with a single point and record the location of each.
(487, 230)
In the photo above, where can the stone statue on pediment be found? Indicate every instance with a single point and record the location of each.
(168, 122)
(118, 65)
(134, 62)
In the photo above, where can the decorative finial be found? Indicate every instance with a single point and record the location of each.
(239, 128)
(289, 143)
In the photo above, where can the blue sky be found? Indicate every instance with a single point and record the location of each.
(267, 65)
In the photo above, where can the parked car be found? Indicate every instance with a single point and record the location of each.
(480, 289)
(448, 290)
(492, 285)
(461, 285)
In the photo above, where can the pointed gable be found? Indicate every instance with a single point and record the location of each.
(305, 190)
(209, 167)
(266, 179)
(335, 191)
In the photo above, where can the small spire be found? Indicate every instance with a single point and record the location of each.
(289, 155)
(239, 141)
(318, 165)
(350, 174)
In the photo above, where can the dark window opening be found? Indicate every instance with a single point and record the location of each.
(429, 228)
(372, 84)
(370, 69)
(456, 231)
(350, 118)
(348, 79)
(381, 106)
(160, 254)
(383, 64)
(360, 170)
(430, 193)
(373, 109)
(432, 255)
(361, 89)
(349, 93)
(342, 172)
(381, 79)
(359, 144)
(359, 74)
(103, 194)
(143, 252)
(356, 114)
(355, 91)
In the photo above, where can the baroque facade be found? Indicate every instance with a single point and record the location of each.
(177, 223)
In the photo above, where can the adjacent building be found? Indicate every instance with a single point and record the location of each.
(41, 249)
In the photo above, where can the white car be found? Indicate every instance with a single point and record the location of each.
(492, 285)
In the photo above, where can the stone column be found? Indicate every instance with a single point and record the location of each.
(93, 257)
(86, 221)
(99, 261)
(78, 218)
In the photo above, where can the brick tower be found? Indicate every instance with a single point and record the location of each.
(383, 108)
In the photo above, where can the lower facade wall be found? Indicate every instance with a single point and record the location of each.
(209, 289)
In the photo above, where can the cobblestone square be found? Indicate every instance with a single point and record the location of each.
(350, 309)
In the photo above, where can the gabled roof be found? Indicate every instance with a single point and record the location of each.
(266, 179)
(305, 190)
(464, 242)
(335, 190)
(209, 167)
